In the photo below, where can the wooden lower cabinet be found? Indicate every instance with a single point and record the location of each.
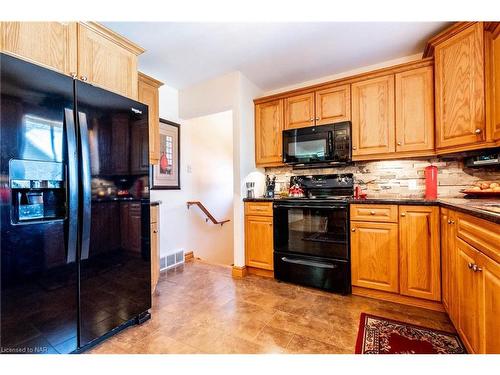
(471, 280)
(374, 255)
(259, 242)
(259, 249)
(448, 263)
(155, 250)
(419, 252)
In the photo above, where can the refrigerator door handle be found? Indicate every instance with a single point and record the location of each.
(72, 186)
(86, 187)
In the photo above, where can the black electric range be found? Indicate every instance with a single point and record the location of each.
(311, 233)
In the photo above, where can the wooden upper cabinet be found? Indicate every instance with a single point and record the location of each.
(259, 242)
(373, 130)
(374, 255)
(333, 105)
(107, 60)
(460, 89)
(495, 80)
(51, 44)
(420, 263)
(268, 133)
(299, 111)
(148, 93)
(415, 110)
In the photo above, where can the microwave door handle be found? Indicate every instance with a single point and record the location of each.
(85, 180)
(72, 186)
(309, 263)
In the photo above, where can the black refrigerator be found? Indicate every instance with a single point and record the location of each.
(74, 206)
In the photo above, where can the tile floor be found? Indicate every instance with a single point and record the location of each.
(200, 308)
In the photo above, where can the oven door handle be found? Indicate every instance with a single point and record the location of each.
(309, 263)
(308, 206)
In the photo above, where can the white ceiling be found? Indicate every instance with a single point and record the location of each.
(272, 55)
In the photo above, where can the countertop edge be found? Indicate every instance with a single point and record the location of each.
(440, 202)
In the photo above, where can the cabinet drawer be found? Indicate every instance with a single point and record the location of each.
(375, 212)
(259, 208)
(484, 235)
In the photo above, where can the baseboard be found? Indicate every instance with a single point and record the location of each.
(397, 298)
(239, 271)
(188, 256)
(260, 272)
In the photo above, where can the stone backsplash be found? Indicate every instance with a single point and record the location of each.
(393, 178)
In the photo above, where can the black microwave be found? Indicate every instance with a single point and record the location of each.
(324, 144)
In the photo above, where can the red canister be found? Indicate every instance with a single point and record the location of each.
(431, 182)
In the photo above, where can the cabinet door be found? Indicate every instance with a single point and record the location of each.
(134, 226)
(105, 63)
(459, 81)
(495, 58)
(139, 156)
(415, 110)
(420, 263)
(374, 256)
(155, 271)
(52, 44)
(259, 242)
(448, 264)
(268, 133)
(299, 111)
(373, 129)
(489, 302)
(333, 105)
(148, 94)
(469, 292)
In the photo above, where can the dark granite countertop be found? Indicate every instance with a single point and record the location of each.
(481, 208)
(118, 199)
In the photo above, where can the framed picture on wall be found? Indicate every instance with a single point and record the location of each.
(166, 174)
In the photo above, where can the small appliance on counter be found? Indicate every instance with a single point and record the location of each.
(250, 189)
(270, 185)
(431, 177)
(311, 233)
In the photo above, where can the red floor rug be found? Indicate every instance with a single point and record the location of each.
(378, 335)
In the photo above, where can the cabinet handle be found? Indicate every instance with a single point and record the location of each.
(312, 119)
(73, 75)
(317, 118)
(155, 231)
(476, 268)
(372, 212)
(353, 230)
(399, 143)
(449, 221)
(477, 131)
(403, 214)
(83, 78)
(354, 147)
(470, 265)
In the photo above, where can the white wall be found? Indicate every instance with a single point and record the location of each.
(235, 92)
(173, 217)
(209, 179)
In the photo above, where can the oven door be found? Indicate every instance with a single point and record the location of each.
(312, 229)
(313, 144)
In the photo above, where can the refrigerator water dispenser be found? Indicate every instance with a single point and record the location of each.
(38, 192)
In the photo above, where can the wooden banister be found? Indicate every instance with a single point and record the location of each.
(206, 212)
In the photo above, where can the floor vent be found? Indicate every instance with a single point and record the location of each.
(172, 260)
